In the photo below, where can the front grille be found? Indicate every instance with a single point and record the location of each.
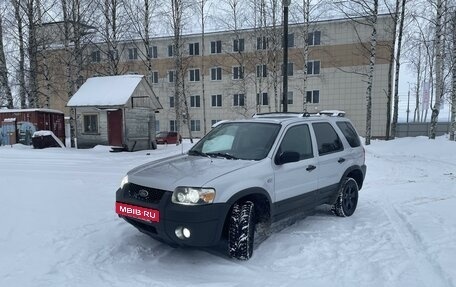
(143, 193)
(142, 226)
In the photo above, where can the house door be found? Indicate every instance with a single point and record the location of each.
(115, 128)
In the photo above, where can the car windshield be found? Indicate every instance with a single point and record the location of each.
(162, 135)
(238, 140)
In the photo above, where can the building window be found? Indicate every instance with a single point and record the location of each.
(91, 124)
(133, 53)
(195, 125)
(172, 125)
(216, 100)
(238, 73)
(194, 75)
(238, 100)
(313, 38)
(152, 52)
(262, 43)
(289, 98)
(216, 74)
(290, 69)
(238, 45)
(263, 99)
(313, 67)
(170, 51)
(216, 47)
(157, 125)
(195, 101)
(313, 97)
(291, 40)
(171, 102)
(171, 76)
(154, 77)
(96, 56)
(193, 49)
(262, 71)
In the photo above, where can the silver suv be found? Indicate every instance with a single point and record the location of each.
(244, 174)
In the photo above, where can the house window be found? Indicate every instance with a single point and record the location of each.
(171, 76)
(262, 71)
(238, 73)
(170, 50)
(313, 97)
(154, 77)
(171, 102)
(238, 45)
(195, 125)
(152, 52)
(157, 125)
(172, 126)
(291, 40)
(313, 38)
(91, 124)
(238, 100)
(313, 67)
(262, 43)
(112, 55)
(263, 99)
(133, 53)
(195, 101)
(216, 100)
(194, 75)
(96, 56)
(216, 47)
(216, 74)
(193, 49)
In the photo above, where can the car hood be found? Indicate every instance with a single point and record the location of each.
(184, 170)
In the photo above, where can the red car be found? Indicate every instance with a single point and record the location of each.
(168, 138)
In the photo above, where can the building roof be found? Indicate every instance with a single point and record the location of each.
(30, 110)
(105, 91)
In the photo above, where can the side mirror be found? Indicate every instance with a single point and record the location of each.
(286, 157)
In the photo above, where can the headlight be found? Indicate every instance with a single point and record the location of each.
(124, 181)
(193, 195)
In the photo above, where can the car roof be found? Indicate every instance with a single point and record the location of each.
(289, 118)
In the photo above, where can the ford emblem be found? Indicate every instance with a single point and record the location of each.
(143, 193)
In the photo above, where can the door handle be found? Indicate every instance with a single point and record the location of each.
(311, 167)
(341, 160)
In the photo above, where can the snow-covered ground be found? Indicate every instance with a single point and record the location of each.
(58, 226)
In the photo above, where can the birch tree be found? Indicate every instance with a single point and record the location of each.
(438, 68)
(453, 92)
(20, 73)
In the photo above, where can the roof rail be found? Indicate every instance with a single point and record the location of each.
(279, 115)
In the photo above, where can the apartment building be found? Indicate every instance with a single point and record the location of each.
(235, 74)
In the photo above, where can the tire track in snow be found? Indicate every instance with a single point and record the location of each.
(430, 271)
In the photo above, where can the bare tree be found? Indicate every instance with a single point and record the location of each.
(453, 94)
(4, 84)
(21, 62)
(398, 64)
(438, 68)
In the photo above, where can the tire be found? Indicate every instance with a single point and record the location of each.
(347, 200)
(241, 231)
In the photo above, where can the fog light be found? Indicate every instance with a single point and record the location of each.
(182, 232)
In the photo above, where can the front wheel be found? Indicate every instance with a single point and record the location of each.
(241, 231)
(347, 200)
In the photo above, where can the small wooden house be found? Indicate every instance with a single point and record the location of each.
(24, 122)
(116, 110)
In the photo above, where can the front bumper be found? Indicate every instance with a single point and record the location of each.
(205, 221)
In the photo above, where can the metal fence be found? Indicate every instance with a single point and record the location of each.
(420, 129)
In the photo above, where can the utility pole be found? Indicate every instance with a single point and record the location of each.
(285, 4)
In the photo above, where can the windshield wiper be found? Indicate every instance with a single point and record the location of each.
(196, 152)
(222, 154)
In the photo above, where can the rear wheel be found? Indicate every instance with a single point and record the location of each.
(241, 231)
(347, 199)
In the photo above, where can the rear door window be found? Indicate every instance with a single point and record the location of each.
(327, 139)
(350, 133)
